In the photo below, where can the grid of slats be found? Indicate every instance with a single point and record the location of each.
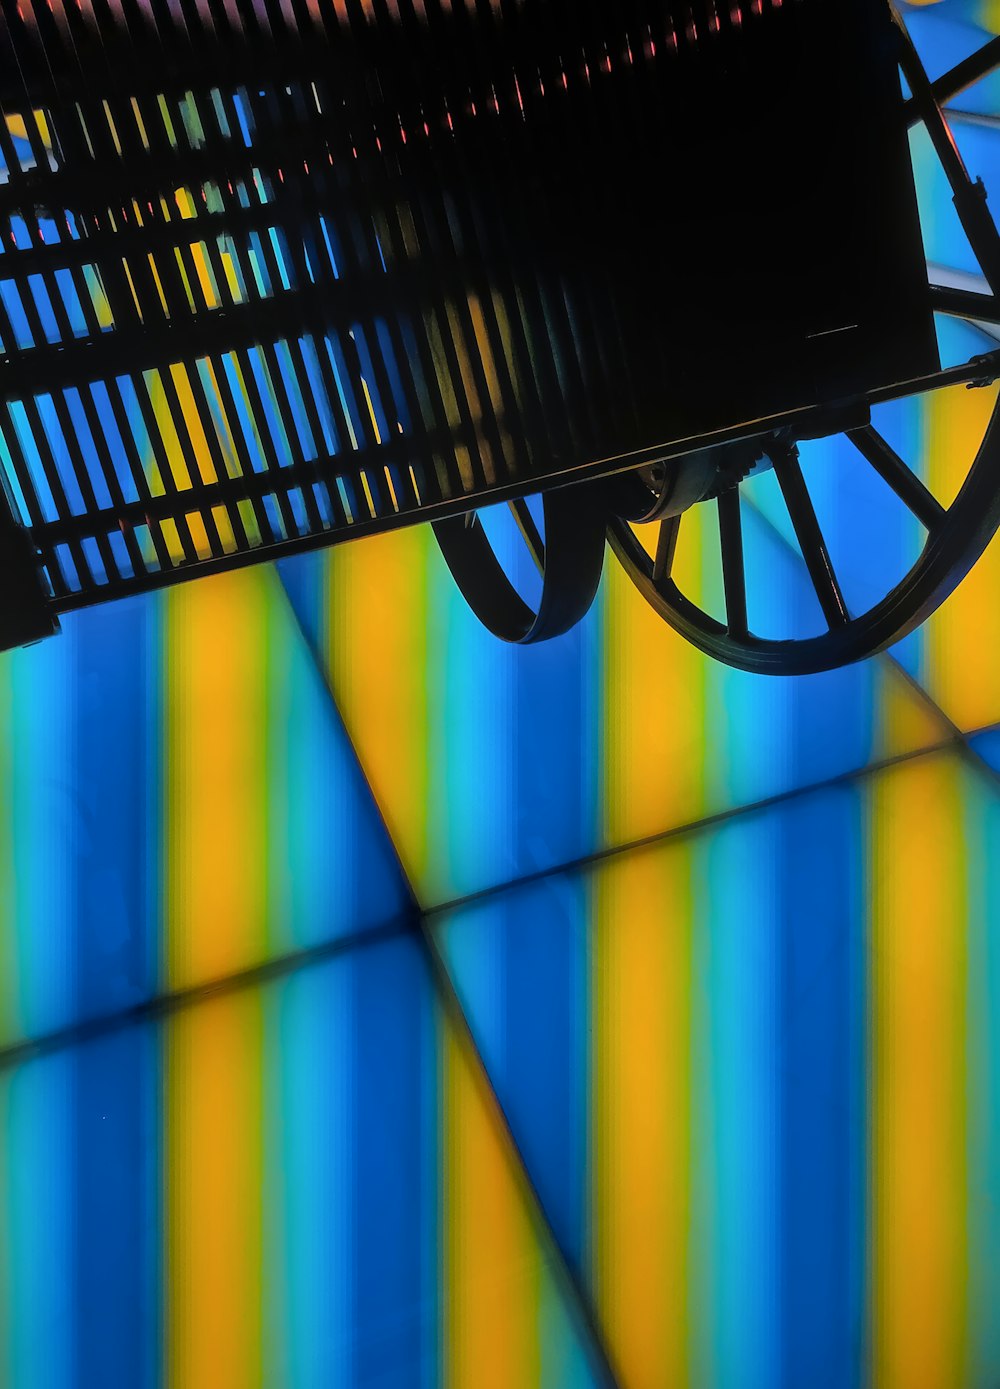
(241, 305)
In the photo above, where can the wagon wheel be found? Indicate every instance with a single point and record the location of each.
(955, 536)
(569, 556)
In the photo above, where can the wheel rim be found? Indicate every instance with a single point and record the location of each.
(569, 557)
(956, 537)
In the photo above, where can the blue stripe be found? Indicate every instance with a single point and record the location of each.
(117, 1215)
(818, 852)
(392, 996)
(115, 769)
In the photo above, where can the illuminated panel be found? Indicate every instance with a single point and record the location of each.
(36, 1238)
(177, 802)
(213, 1210)
(919, 1104)
(751, 1070)
(493, 1287)
(636, 1020)
(489, 762)
(642, 1182)
(214, 760)
(305, 1184)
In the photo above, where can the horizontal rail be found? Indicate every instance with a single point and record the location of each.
(979, 371)
(965, 303)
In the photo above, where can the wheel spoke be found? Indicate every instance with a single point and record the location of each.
(733, 571)
(666, 547)
(529, 531)
(969, 195)
(810, 537)
(958, 78)
(981, 309)
(903, 481)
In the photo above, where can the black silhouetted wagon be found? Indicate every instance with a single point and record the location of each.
(280, 274)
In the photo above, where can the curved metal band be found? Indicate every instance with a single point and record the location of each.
(575, 524)
(951, 550)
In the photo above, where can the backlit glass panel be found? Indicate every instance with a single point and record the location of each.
(178, 803)
(751, 1070)
(490, 762)
(747, 1068)
(304, 1184)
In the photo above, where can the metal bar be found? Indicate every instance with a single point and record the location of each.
(253, 485)
(959, 78)
(965, 303)
(969, 195)
(733, 569)
(810, 537)
(903, 481)
(981, 370)
(666, 548)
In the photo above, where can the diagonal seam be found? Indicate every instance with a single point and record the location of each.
(705, 822)
(324, 675)
(576, 1295)
(574, 1292)
(164, 1005)
(962, 739)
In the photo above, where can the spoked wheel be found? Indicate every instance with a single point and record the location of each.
(569, 556)
(954, 536)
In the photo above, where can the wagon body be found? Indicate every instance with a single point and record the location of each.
(277, 275)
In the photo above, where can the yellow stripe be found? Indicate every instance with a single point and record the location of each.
(192, 422)
(206, 277)
(199, 535)
(654, 700)
(641, 1068)
(918, 1177)
(962, 642)
(203, 460)
(215, 775)
(172, 539)
(214, 1221)
(371, 411)
(140, 124)
(168, 435)
(491, 1262)
(377, 657)
(159, 286)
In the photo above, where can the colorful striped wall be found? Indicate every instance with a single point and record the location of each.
(178, 803)
(489, 763)
(753, 1071)
(383, 1006)
(302, 1184)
